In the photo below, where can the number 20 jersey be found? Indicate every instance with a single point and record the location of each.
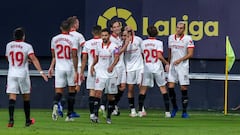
(17, 53)
(63, 44)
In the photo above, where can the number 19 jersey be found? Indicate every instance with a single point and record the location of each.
(63, 44)
(17, 53)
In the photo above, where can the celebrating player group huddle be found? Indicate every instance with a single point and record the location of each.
(116, 59)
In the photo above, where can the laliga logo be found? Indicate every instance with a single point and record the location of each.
(118, 13)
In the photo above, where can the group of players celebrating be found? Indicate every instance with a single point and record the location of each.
(116, 59)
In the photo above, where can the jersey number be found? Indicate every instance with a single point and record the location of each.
(63, 52)
(151, 54)
(17, 57)
(93, 53)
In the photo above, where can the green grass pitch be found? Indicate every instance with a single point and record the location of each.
(199, 123)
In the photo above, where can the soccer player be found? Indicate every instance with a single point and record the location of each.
(64, 55)
(152, 50)
(107, 57)
(74, 24)
(18, 81)
(181, 48)
(134, 67)
(115, 37)
(88, 55)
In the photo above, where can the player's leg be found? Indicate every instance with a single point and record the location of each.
(11, 107)
(141, 98)
(131, 81)
(26, 103)
(184, 82)
(99, 86)
(90, 83)
(12, 90)
(172, 77)
(184, 101)
(71, 101)
(56, 101)
(111, 90)
(147, 81)
(60, 83)
(25, 87)
(161, 82)
(121, 82)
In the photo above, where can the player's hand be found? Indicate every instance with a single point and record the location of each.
(167, 67)
(77, 88)
(82, 77)
(44, 77)
(50, 73)
(177, 62)
(92, 71)
(76, 77)
(110, 69)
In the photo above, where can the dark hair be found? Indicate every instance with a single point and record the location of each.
(72, 20)
(18, 33)
(115, 21)
(96, 30)
(152, 31)
(65, 25)
(106, 30)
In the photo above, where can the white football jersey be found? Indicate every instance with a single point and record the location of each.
(17, 53)
(179, 48)
(117, 40)
(133, 56)
(150, 47)
(105, 59)
(90, 48)
(63, 44)
(80, 41)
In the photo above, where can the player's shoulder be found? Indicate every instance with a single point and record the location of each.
(172, 36)
(188, 37)
(138, 38)
(77, 34)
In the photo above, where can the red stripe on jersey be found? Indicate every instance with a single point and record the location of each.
(96, 37)
(52, 49)
(84, 53)
(152, 38)
(191, 47)
(30, 54)
(82, 44)
(74, 48)
(18, 40)
(65, 33)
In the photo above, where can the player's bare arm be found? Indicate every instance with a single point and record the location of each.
(38, 66)
(95, 61)
(84, 61)
(75, 64)
(50, 70)
(188, 56)
(116, 59)
(164, 61)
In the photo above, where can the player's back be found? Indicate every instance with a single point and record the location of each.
(150, 49)
(63, 44)
(80, 41)
(90, 48)
(17, 53)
